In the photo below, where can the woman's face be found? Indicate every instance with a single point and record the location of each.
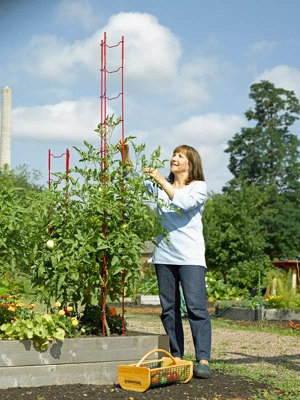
(179, 163)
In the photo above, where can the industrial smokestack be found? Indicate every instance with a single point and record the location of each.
(5, 126)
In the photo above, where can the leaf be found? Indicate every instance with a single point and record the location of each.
(47, 317)
(114, 260)
(59, 334)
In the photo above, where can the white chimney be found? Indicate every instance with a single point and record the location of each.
(5, 126)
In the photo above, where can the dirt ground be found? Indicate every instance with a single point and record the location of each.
(220, 387)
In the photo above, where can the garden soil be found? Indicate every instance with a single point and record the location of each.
(221, 386)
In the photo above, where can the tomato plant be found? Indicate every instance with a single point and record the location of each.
(98, 234)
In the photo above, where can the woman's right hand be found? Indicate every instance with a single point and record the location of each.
(123, 144)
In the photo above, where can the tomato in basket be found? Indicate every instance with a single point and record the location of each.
(169, 376)
(175, 376)
(163, 379)
(155, 379)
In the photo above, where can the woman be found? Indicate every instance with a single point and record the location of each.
(181, 260)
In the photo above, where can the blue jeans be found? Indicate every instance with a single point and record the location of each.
(192, 279)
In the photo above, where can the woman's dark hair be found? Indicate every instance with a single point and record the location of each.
(195, 164)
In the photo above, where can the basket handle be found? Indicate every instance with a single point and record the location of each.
(155, 351)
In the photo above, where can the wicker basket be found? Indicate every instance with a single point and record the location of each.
(148, 374)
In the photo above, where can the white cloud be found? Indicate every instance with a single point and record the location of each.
(205, 130)
(193, 85)
(282, 76)
(151, 63)
(69, 120)
(78, 12)
(263, 47)
(50, 58)
(208, 134)
(151, 52)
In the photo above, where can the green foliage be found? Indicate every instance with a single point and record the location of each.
(14, 230)
(217, 289)
(17, 191)
(21, 323)
(98, 228)
(14, 284)
(234, 237)
(268, 156)
(282, 225)
(148, 283)
(268, 153)
(91, 320)
(282, 295)
(21, 178)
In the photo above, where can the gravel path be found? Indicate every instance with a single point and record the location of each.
(247, 346)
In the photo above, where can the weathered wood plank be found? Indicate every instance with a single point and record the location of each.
(281, 315)
(46, 375)
(79, 350)
(84, 360)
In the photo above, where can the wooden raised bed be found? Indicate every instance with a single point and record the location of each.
(258, 314)
(92, 360)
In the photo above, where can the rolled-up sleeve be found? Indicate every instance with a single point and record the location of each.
(196, 196)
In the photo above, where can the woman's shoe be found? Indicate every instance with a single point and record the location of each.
(202, 371)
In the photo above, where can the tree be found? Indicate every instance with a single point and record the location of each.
(268, 153)
(234, 237)
(22, 178)
(268, 156)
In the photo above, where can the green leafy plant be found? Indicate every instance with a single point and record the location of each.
(91, 320)
(217, 289)
(148, 283)
(235, 240)
(282, 295)
(96, 218)
(21, 323)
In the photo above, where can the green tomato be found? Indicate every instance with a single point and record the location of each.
(124, 227)
(50, 244)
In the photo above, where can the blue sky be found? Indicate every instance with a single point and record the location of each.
(188, 70)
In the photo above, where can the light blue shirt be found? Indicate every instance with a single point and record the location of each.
(186, 242)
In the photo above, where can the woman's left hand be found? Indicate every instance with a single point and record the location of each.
(165, 185)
